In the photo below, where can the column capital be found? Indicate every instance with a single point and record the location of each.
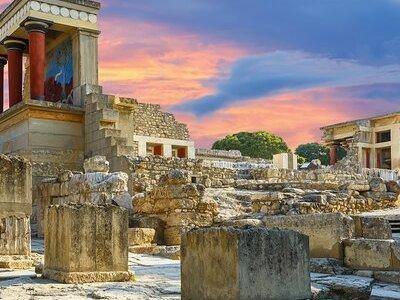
(11, 43)
(36, 25)
(3, 60)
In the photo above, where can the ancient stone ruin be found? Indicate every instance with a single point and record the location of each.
(15, 212)
(86, 243)
(245, 263)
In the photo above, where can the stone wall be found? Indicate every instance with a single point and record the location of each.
(178, 204)
(15, 205)
(144, 172)
(150, 120)
(326, 190)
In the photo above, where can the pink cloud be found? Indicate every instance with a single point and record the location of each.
(156, 64)
(296, 117)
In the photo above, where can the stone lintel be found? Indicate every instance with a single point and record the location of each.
(88, 277)
(40, 110)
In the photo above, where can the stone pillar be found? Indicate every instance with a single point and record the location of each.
(15, 48)
(333, 155)
(3, 62)
(37, 57)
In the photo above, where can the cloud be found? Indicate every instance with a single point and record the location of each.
(296, 117)
(361, 30)
(273, 73)
(155, 64)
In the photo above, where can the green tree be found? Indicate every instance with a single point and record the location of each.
(312, 151)
(260, 144)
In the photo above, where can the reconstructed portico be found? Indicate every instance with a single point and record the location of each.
(57, 114)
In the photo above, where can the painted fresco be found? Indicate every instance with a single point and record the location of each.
(59, 73)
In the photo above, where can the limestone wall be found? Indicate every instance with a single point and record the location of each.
(144, 172)
(178, 204)
(151, 121)
(15, 205)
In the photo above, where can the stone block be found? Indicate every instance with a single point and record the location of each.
(86, 243)
(326, 231)
(244, 263)
(141, 236)
(371, 254)
(372, 228)
(96, 164)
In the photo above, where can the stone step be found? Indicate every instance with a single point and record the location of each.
(107, 115)
(122, 150)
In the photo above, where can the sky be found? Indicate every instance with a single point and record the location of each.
(225, 66)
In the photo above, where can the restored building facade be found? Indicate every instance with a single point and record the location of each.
(377, 140)
(57, 112)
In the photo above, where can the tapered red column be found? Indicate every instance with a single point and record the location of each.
(15, 50)
(3, 62)
(333, 154)
(37, 52)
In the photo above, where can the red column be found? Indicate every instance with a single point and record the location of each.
(333, 155)
(3, 62)
(15, 50)
(37, 53)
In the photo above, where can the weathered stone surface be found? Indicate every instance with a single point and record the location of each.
(229, 263)
(328, 266)
(341, 287)
(141, 236)
(372, 254)
(387, 276)
(326, 231)
(377, 185)
(15, 211)
(393, 186)
(96, 164)
(372, 228)
(181, 206)
(98, 188)
(86, 243)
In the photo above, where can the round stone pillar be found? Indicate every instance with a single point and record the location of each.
(15, 50)
(3, 62)
(37, 56)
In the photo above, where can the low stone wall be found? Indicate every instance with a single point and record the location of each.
(178, 204)
(144, 172)
(316, 192)
(15, 208)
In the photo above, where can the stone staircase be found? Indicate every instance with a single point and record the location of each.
(103, 137)
(395, 226)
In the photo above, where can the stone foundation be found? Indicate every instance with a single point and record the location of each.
(86, 243)
(246, 263)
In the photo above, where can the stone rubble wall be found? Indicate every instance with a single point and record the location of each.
(15, 205)
(319, 191)
(144, 172)
(179, 205)
(151, 121)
